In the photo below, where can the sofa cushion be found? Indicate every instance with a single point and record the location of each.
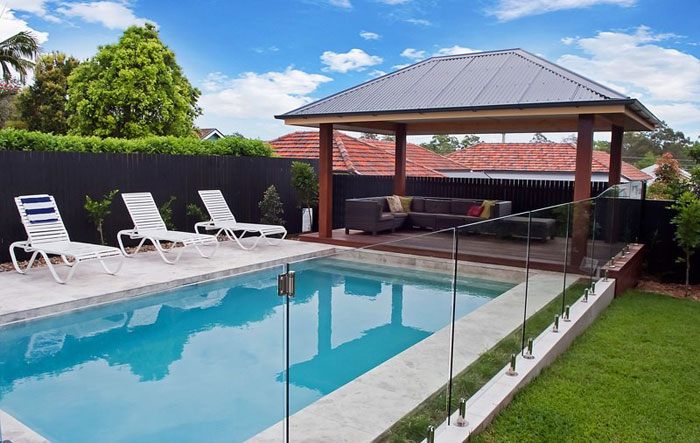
(394, 203)
(386, 216)
(418, 204)
(475, 211)
(437, 206)
(460, 207)
(421, 219)
(406, 203)
(487, 205)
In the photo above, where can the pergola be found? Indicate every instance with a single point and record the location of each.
(507, 91)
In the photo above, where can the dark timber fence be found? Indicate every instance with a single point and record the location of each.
(71, 176)
(525, 194)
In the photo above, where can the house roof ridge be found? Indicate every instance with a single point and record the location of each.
(338, 140)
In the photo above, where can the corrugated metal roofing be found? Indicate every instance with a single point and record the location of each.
(498, 78)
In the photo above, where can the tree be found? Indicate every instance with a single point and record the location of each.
(42, 106)
(646, 161)
(369, 136)
(687, 236)
(668, 183)
(98, 210)
(305, 184)
(470, 140)
(539, 138)
(132, 89)
(271, 210)
(17, 53)
(8, 100)
(636, 145)
(601, 145)
(442, 144)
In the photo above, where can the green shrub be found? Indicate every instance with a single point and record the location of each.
(98, 210)
(166, 213)
(271, 210)
(22, 140)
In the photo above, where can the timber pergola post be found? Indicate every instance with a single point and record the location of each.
(325, 181)
(490, 92)
(582, 188)
(400, 160)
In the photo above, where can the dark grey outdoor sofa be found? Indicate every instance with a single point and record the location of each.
(372, 214)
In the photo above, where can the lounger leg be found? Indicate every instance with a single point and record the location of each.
(108, 270)
(232, 235)
(213, 251)
(121, 243)
(16, 245)
(162, 251)
(275, 241)
(53, 270)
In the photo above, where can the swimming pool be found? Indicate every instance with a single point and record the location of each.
(205, 362)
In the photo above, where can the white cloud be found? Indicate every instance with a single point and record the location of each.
(11, 25)
(254, 98)
(376, 73)
(638, 64)
(112, 14)
(511, 9)
(37, 7)
(569, 40)
(418, 21)
(401, 66)
(353, 60)
(455, 50)
(413, 53)
(369, 35)
(665, 79)
(393, 2)
(341, 3)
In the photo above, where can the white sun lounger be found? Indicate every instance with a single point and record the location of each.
(48, 236)
(149, 225)
(222, 220)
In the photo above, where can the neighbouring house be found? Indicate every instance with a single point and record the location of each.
(537, 161)
(651, 172)
(209, 134)
(364, 156)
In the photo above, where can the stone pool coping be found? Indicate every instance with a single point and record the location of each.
(367, 407)
(36, 294)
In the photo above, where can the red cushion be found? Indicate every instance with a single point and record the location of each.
(475, 211)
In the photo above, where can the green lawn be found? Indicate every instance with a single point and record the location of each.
(633, 376)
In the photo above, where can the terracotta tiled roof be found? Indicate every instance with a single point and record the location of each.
(204, 132)
(534, 157)
(419, 154)
(350, 155)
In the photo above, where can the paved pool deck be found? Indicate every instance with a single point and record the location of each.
(37, 294)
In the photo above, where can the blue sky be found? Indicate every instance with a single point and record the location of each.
(252, 59)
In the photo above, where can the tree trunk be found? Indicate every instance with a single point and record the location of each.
(687, 272)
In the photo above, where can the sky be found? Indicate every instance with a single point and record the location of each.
(254, 59)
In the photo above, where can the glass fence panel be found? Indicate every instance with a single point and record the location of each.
(369, 338)
(492, 288)
(206, 354)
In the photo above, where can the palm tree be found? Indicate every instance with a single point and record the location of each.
(17, 54)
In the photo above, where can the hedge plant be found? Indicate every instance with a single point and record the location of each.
(22, 140)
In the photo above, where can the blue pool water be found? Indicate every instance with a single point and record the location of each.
(205, 362)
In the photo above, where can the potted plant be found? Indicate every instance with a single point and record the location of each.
(305, 184)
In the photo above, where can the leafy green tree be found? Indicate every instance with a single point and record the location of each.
(669, 183)
(469, 140)
(166, 213)
(539, 138)
(271, 210)
(42, 106)
(98, 210)
(442, 144)
(132, 89)
(636, 145)
(305, 184)
(687, 236)
(369, 136)
(646, 161)
(601, 145)
(9, 89)
(17, 53)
